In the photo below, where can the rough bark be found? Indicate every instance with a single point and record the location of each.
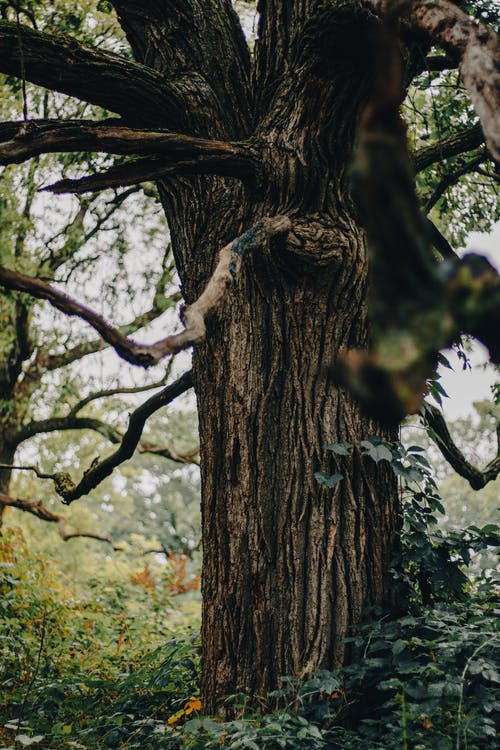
(287, 565)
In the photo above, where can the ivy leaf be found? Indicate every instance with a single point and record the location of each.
(398, 646)
(330, 480)
(376, 452)
(341, 449)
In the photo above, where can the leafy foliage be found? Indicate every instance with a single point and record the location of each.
(108, 673)
(97, 662)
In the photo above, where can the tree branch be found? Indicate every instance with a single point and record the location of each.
(439, 432)
(476, 48)
(179, 152)
(416, 306)
(210, 301)
(68, 422)
(451, 178)
(99, 470)
(145, 170)
(48, 362)
(440, 242)
(72, 422)
(113, 392)
(38, 509)
(166, 452)
(60, 63)
(437, 63)
(185, 38)
(458, 143)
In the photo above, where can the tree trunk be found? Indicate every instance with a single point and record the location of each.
(288, 565)
(7, 453)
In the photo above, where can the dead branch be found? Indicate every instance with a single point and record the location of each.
(477, 478)
(210, 301)
(38, 509)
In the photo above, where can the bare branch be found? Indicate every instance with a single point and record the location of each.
(113, 392)
(211, 300)
(69, 422)
(179, 152)
(439, 432)
(99, 470)
(35, 469)
(38, 509)
(51, 362)
(166, 452)
(72, 422)
(60, 63)
(145, 170)
(458, 143)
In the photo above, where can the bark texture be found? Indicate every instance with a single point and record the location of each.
(288, 566)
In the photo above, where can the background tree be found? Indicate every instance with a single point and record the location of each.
(289, 563)
(79, 241)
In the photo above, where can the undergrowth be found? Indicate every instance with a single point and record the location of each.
(108, 670)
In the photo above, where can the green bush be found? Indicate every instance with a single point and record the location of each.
(99, 668)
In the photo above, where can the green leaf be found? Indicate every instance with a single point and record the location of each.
(341, 449)
(444, 361)
(26, 741)
(330, 480)
(398, 646)
(376, 452)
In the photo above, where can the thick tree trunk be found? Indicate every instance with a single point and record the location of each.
(288, 566)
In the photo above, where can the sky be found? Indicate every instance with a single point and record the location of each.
(465, 387)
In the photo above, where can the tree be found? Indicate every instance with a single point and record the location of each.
(71, 244)
(259, 148)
